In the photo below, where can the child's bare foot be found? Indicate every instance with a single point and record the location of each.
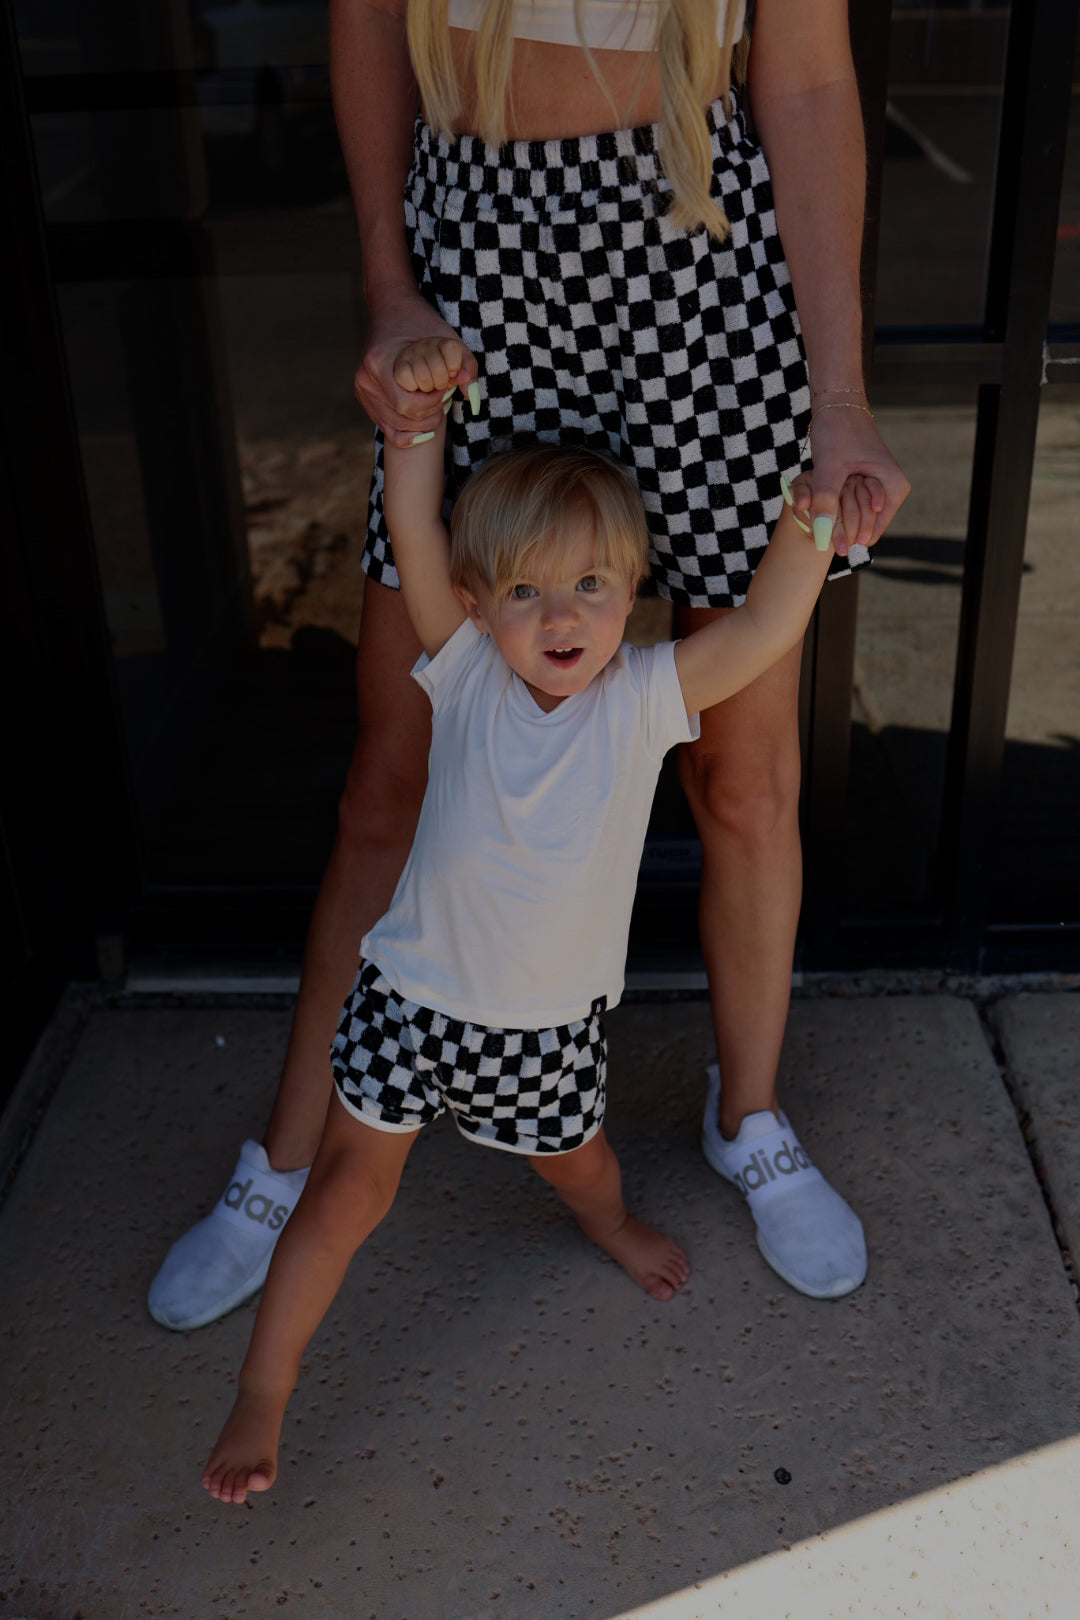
(245, 1457)
(655, 1262)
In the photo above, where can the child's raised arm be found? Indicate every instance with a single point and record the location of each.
(730, 652)
(413, 502)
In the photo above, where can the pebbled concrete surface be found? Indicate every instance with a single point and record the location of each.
(1040, 1037)
(493, 1421)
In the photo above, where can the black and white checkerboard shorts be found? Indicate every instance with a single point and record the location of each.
(595, 322)
(397, 1065)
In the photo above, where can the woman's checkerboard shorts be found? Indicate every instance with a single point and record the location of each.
(595, 322)
(397, 1065)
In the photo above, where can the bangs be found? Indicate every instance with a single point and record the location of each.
(614, 551)
(522, 513)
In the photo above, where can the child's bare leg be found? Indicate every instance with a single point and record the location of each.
(350, 1188)
(588, 1182)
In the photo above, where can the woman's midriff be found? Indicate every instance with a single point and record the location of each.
(554, 91)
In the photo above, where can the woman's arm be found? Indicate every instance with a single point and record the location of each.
(805, 106)
(375, 104)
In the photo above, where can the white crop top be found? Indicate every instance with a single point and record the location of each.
(613, 25)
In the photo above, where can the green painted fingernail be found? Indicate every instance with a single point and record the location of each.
(785, 490)
(421, 438)
(823, 528)
(448, 407)
(474, 398)
(449, 392)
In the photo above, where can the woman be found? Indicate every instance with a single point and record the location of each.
(549, 94)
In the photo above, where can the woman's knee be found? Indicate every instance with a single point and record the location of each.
(754, 798)
(388, 771)
(741, 777)
(384, 789)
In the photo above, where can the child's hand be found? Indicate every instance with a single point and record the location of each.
(860, 500)
(398, 317)
(846, 443)
(436, 366)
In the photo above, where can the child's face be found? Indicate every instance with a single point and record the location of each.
(557, 629)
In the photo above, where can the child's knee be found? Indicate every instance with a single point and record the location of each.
(581, 1169)
(352, 1187)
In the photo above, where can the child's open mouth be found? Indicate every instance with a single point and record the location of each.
(563, 655)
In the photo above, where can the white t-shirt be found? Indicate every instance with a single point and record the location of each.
(514, 906)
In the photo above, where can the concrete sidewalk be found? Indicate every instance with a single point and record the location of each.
(494, 1422)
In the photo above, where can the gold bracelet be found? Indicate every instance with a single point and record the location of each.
(839, 405)
(816, 393)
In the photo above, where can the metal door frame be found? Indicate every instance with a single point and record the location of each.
(1009, 359)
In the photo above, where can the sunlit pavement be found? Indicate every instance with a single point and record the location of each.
(1003, 1542)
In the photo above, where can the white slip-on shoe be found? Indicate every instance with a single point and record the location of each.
(805, 1230)
(224, 1258)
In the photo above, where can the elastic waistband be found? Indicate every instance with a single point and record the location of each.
(573, 163)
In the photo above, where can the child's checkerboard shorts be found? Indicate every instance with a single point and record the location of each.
(397, 1065)
(595, 322)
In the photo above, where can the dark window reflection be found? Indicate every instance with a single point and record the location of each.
(1036, 867)
(1065, 299)
(208, 272)
(945, 73)
(909, 612)
(264, 103)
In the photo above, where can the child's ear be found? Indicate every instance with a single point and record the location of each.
(472, 606)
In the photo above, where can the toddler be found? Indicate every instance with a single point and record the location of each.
(482, 988)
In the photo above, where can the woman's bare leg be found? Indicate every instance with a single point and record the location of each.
(589, 1183)
(222, 1260)
(741, 779)
(351, 1187)
(376, 822)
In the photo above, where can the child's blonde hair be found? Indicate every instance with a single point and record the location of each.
(691, 58)
(518, 516)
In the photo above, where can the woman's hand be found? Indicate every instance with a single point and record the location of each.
(402, 318)
(855, 480)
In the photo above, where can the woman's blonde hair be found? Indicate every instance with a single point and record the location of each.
(519, 516)
(691, 58)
